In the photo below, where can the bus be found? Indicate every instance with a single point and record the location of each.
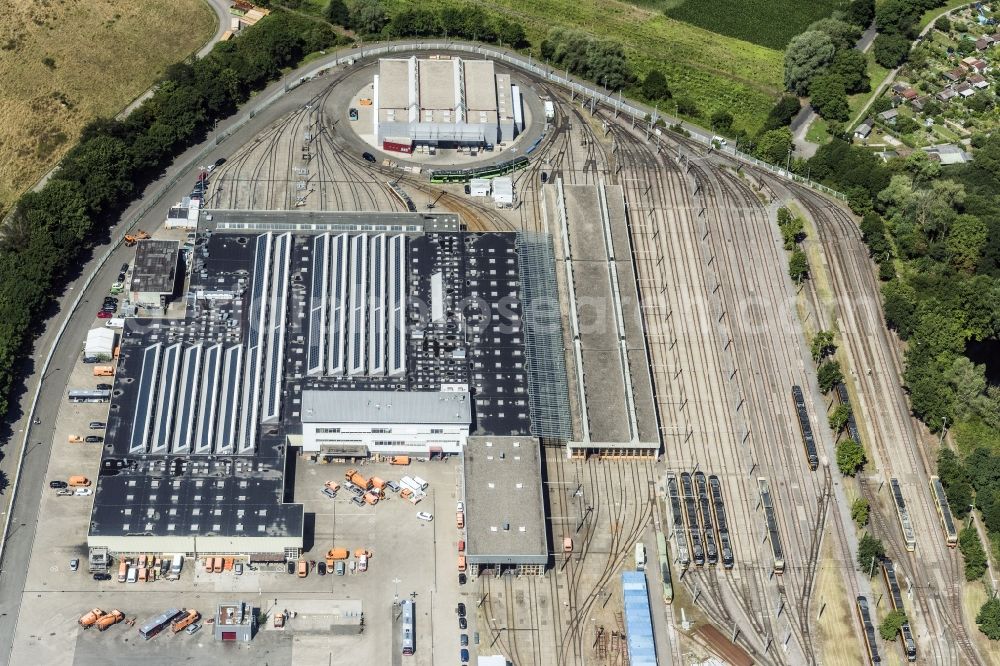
(409, 637)
(87, 395)
(159, 623)
(944, 512)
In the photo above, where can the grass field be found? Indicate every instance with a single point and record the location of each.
(770, 23)
(715, 71)
(64, 63)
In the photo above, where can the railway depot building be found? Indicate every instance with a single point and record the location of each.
(337, 337)
(445, 102)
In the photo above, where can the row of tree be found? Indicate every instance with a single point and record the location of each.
(898, 24)
(371, 18)
(599, 60)
(114, 160)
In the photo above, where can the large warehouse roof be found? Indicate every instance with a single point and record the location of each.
(386, 407)
(503, 493)
(155, 270)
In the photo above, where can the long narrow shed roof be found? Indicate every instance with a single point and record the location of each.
(638, 620)
(453, 408)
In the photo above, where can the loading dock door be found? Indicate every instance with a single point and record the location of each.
(229, 635)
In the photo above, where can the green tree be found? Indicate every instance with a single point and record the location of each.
(781, 114)
(891, 50)
(873, 232)
(893, 622)
(822, 345)
(972, 551)
(988, 619)
(943, 24)
(807, 54)
(843, 34)
(829, 375)
(722, 121)
(839, 418)
(792, 230)
(654, 86)
(898, 17)
(774, 145)
(798, 265)
(861, 13)
(368, 16)
(850, 457)
(965, 242)
(859, 511)
(852, 66)
(336, 12)
(868, 548)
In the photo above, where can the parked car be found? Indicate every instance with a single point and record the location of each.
(545, 178)
(368, 157)
(97, 425)
(460, 506)
(423, 515)
(123, 269)
(340, 568)
(193, 628)
(290, 567)
(357, 500)
(83, 492)
(219, 162)
(104, 387)
(57, 484)
(102, 576)
(74, 564)
(393, 486)
(65, 492)
(111, 299)
(321, 568)
(462, 579)
(93, 439)
(463, 640)
(463, 624)
(329, 493)
(103, 315)
(121, 277)
(464, 656)
(238, 568)
(460, 609)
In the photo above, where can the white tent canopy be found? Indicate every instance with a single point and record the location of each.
(100, 341)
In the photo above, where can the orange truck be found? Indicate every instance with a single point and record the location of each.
(208, 564)
(333, 485)
(75, 439)
(567, 546)
(228, 564)
(78, 482)
(217, 565)
(461, 562)
(335, 554)
(460, 519)
(378, 484)
(104, 371)
(400, 460)
(88, 620)
(178, 625)
(303, 568)
(358, 480)
(122, 571)
(143, 574)
(371, 497)
(110, 620)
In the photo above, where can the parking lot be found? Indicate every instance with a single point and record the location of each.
(410, 558)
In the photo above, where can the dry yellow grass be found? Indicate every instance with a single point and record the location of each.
(65, 62)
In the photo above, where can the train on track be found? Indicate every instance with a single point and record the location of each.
(677, 528)
(944, 512)
(903, 515)
(852, 423)
(711, 549)
(668, 586)
(896, 601)
(719, 511)
(691, 512)
(492, 171)
(871, 641)
(771, 522)
(805, 428)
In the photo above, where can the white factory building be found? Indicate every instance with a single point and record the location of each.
(445, 102)
(419, 423)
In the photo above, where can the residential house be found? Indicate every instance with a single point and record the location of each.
(983, 43)
(864, 129)
(955, 75)
(948, 153)
(889, 116)
(946, 94)
(965, 90)
(979, 81)
(898, 88)
(919, 103)
(974, 65)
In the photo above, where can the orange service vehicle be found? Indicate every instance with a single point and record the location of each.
(78, 481)
(228, 564)
(358, 480)
(179, 624)
(104, 371)
(208, 565)
(303, 568)
(461, 545)
(110, 620)
(90, 618)
(400, 460)
(460, 519)
(122, 571)
(461, 562)
(217, 565)
(335, 554)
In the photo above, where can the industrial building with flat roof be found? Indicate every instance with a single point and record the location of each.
(154, 272)
(504, 509)
(444, 101)
(343, 343)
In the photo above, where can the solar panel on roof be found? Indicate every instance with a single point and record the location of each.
(358, 305)
(338, 305)
(397, 305)
(316, 352)
(225, 437)
(376, 319)
(184, 419)
(249, 406)
(145, 399)
(166, 399)
(276, 348)
(208, 399)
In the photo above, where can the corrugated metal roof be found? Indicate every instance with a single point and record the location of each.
(638, 621)
(452, 408)
(100, 341)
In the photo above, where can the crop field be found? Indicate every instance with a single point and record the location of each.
(714, 71)
(64, 63)
(770, 23)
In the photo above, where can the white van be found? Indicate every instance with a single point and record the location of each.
(116, 322)
(176, 565)
(420, 482)
(407, 482)
(133, 575)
